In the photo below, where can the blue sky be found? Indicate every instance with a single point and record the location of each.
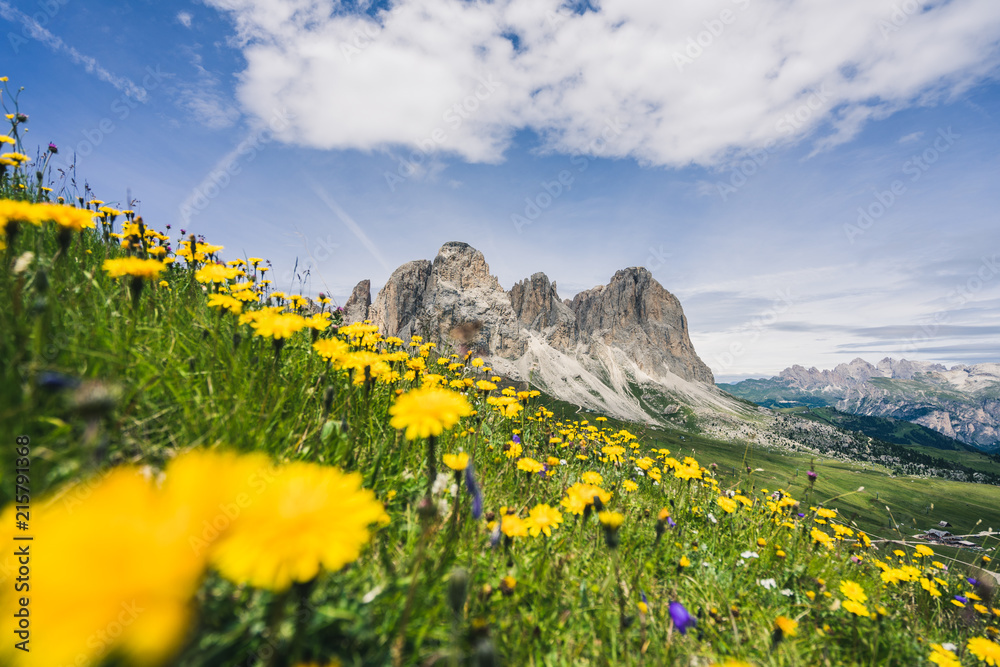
(814, 183)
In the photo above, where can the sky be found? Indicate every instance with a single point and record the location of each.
(815, 181)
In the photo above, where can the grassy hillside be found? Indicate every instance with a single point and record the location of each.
(211, 472)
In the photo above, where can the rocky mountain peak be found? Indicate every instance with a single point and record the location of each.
(600, 344)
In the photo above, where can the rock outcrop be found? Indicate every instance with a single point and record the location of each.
(595, 350)
(637, 315)
(398, 303)
(358, 304)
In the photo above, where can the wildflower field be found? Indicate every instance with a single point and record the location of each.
(212, 472)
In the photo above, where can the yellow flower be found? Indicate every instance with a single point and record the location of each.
(68, 217)
(923, 550)
(611, 520)
(278, 325)
(856, 608)
(986, 650)
(428, 411)
(727, 504)
(477, 363)
(140, 607)
(529, 465)
(684, 561)
(853, 591)
(542, 519)
(579, 496)
(458, 461)
(591, 477)
(629, 485)
(305, 517)
(215, 273)
(133, 266)
(943, 657)
(513, 526)
(483, 385)
(787, 626)
(225, 302)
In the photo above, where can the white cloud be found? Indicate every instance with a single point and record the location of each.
(664, 83)
(185, 18)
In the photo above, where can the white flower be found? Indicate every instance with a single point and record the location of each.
(949, 647)
(711, 517)
(787, 592)
(768, 583)
(441, 482)
(749, 554)
(740, 563)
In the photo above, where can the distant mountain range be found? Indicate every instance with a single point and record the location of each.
(623, 350)
(962, 402)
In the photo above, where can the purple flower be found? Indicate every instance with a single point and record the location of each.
(972, 581)
(812, 475)
(681, 617)
(53, 148)
(671, 522)
(801, 515)
(473, 489)
(516, 438)
(962, 599)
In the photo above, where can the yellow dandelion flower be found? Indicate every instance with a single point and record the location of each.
(856, 608)
(331, 349)
(458, 461)
(225, 302)
(428, 411)
(513, 526)
(306, 517)
(728, 505)
(611, 520)
(530, 465)
(787, 626)
(147, 599)
(278, 325)
(542, 519)
(853, 591)
(135, 267)
(591, 477)
(986, 650)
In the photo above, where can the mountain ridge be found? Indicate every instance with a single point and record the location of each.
(961, 402)
(608, 348)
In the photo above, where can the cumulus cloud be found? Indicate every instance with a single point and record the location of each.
(663, 83)
(185, 18)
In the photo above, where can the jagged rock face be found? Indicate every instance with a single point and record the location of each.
(398, 302)
(358, 304)
(592, 351)
(460, 292)
(538, 308)
(636, 314)
(452, 300)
